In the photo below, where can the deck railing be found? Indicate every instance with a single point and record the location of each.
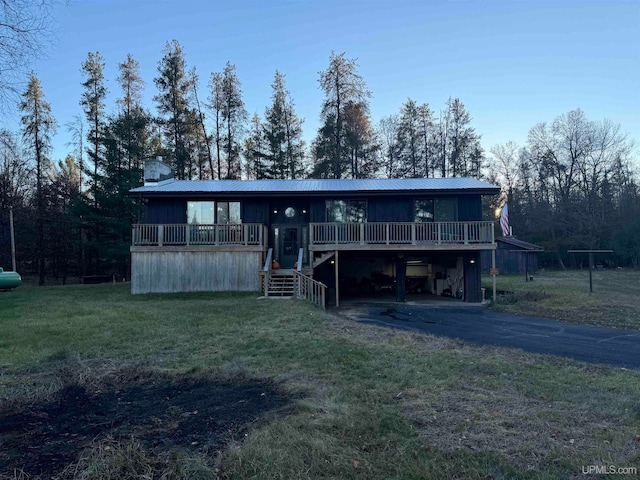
(161, 235)
(307, 288)
(407, 233)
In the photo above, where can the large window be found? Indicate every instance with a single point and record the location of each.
(207, 213)
(228, 212)
(346, 211)
(446, 209)
(435, 209)
(199, 213)
(423, 211)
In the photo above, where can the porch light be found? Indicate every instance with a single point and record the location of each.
(275, 211)
(472, 261)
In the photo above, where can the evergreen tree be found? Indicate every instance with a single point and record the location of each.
(174, 86)
(134, 121)
(464, 153)
(342, 86)
(62, 195)
(409, 142)
(283, 134)
(93, 104)
(216, 105)
(38, 126)
(203, 140)
(234, 117)
(254, 148)
(427, 134)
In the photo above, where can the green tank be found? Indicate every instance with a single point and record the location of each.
(9, 280)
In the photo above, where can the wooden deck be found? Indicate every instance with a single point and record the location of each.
(402, 236)
(185, 235)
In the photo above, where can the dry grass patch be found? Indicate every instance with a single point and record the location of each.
(530, 432)
(564, 295)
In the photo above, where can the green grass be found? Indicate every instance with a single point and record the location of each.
(370, 403)
(564, 295)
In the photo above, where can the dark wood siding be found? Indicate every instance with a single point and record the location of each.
(317, 211)
(469, 208)
(255, 211)
(390, 209)
(472, 291)
(166, 211)
(511, 262)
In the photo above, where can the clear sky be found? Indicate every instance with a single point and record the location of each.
(513, 63)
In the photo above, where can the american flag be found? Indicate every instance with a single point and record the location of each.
(504, 220)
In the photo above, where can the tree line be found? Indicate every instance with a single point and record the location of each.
(573, 183)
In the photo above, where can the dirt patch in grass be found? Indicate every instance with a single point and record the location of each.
(162, 413)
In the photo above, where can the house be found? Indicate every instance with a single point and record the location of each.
(350, 237)
(513, 256)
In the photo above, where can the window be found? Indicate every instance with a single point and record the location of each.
(423, 211)
(200, 213)
(228, 212)
(446, 209)
(346, 211)
(207, 213)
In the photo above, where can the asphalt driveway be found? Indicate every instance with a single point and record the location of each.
(486, 327)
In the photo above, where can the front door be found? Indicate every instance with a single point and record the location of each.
(289, 245)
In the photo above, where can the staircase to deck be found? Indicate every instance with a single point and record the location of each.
(281, 283)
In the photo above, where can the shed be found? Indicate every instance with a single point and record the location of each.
(513, 256)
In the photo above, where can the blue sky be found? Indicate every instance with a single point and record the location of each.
(512, 63)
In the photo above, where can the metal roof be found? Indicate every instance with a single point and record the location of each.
(521, 244)
(317, 186)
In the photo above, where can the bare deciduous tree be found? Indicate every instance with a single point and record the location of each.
(25, 28)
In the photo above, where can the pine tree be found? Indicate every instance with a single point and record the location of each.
(342, 86)
(38, 126)
(93, 104)
(283, 134)
(132, 117)
(174, 86)
(234, 117)
(254, 148)
(409, 141)
(216, 104)
(203, 140)
(464, 154)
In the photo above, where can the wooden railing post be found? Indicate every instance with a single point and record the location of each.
(361, 233)
(386, 233)
(160, 235)
(413, 233)
(466, 233)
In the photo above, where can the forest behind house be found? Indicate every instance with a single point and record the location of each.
(573, 184)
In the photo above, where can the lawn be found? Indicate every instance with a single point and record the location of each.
(281, 390)
(564, 295)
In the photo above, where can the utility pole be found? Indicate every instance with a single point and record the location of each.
(13, 240)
